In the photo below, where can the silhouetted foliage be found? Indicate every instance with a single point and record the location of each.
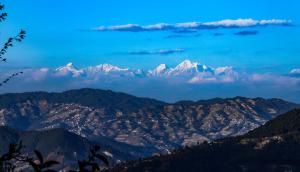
(2, 15)
(9, 160)
(9, 43)
(14, 155)
(91, 165)
(40, 165)
(10, 77)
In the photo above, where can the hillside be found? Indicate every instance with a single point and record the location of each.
(274, 146)
(64, 146)
(282, 125)
(151, 124)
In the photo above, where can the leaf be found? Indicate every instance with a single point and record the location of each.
(33, 165)
(50, 164)
(97, 148)
(39, 156)
(49, 171)
(81, 165)
(95, 167)
(103, 159)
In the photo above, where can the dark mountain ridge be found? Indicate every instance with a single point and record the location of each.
(108, 99)
(89, 97)
(141, 122)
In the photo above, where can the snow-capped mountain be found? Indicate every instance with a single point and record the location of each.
(189, 67)
(185, 67)
(159, 70)
(186, 72)
(106, 68)
(94, 71)
(69, 69)
(295, 72)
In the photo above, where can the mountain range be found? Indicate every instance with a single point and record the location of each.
(152, 125)
(188, 71)
(185, 67)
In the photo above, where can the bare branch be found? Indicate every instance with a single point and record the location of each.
(10, 42)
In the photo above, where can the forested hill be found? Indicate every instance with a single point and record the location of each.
(274, 146)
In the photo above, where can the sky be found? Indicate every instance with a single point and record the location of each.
(91, 32)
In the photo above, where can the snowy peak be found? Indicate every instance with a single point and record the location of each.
(186, 65)
(68, 69)
(70, 65)
(192, 71)
(190, 67)
(105, 68)
(160, 69)
(108, 69)
(295, 71)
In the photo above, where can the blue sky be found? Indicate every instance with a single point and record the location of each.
(58, 33)
(62, 31)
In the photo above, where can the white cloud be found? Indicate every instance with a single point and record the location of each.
(200, 79)
(159, 52)
(283, 81)
(40, 73)
(228, 23)
(247, 23)
(159, 26)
